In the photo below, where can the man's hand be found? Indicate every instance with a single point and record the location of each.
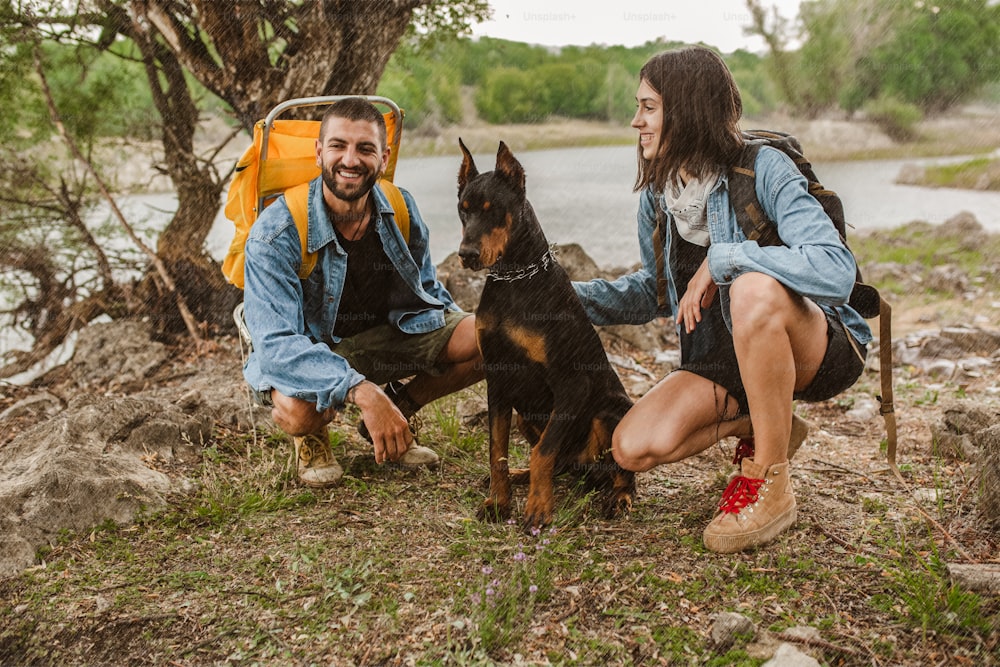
(700, 293)
(388, 428)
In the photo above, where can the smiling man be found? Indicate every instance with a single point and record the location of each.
(371, 313)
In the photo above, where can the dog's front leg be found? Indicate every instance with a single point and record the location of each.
(496, 507)
(539, 508)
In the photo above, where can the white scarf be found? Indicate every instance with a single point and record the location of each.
(687, 204)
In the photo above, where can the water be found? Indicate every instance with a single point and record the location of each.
(584, 196)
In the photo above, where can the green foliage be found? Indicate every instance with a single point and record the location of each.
(980, 173)
(929, 55)
(425, 85)
(898, 119)
(941, 53)
(515, 82)
(97, 94)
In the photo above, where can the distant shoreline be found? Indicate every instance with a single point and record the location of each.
(824, 139)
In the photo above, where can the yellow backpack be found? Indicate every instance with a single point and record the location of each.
(282, 160)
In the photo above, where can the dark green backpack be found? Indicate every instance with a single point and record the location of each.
(743, 195)
(755, 224)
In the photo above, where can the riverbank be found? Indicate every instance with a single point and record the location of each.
(241, 564)
(971, 131)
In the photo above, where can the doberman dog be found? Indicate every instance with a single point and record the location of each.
(542, 356)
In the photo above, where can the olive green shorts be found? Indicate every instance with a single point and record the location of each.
(384, 353)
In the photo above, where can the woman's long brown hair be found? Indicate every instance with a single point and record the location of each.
(701, 112)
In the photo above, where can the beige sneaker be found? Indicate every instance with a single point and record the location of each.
(417, 456)
(756, 507)
(316, 466)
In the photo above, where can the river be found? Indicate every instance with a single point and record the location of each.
(584, 195)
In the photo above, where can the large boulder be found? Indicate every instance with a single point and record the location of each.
(104, 461)
(128, 440)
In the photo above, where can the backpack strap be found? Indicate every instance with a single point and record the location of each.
(297, 199)
(659, 238)
(743, 196)
(400, 212)
(886, 407)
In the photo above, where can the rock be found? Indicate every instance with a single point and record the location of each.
(108, 460)
(789, 656)
(957, 354)
(728, 627)
(863, 410)
(965, 228)
(116, 354)
(988, 442)
(947, 278)
(977, 577)
(806, 632)
(105, 457)
(41, 405)
(957, 433)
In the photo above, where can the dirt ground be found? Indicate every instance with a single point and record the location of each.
(392, 568)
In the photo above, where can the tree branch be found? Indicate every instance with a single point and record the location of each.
(161, 269)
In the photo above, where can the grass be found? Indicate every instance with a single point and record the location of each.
(978, 173)
(392, 567)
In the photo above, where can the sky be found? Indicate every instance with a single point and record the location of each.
(718, 23)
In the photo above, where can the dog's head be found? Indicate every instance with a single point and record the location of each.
(488, 205)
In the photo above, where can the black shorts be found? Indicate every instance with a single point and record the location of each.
(709, 352)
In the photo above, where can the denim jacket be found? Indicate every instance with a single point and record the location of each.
(813, 262)
(291, 320)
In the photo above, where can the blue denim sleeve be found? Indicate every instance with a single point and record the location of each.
(284, 357)
(813, 261)
(630, 299)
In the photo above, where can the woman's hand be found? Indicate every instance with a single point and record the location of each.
(700, 293)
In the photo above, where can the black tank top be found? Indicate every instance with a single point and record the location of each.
(364, 302)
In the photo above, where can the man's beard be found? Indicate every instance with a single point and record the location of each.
(355, 192)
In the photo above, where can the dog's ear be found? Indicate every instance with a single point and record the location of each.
(468, 170)
(510, 168)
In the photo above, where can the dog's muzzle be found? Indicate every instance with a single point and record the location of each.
(471, 259)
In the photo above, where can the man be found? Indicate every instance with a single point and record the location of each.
(371, 312)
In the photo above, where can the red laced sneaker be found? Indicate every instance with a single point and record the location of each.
(757, 506)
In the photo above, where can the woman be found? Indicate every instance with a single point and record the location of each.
(759, 326)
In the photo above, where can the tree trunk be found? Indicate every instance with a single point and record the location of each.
(327, 47)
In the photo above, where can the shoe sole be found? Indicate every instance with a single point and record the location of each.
(729, 544)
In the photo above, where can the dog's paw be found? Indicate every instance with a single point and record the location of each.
(537, 515)
(492, 511)
(618, 505)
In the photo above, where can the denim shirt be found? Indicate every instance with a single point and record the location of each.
(812, 262)
(291, 320)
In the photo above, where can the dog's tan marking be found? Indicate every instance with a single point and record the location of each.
(532, 343)
(486, 205)
(598, 442)
(494, 243)
(465, 204)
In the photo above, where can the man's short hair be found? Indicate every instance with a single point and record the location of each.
(356, 109)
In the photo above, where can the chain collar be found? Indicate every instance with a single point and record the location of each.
(527, 271)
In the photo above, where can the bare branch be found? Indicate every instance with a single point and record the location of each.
(189, 320)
